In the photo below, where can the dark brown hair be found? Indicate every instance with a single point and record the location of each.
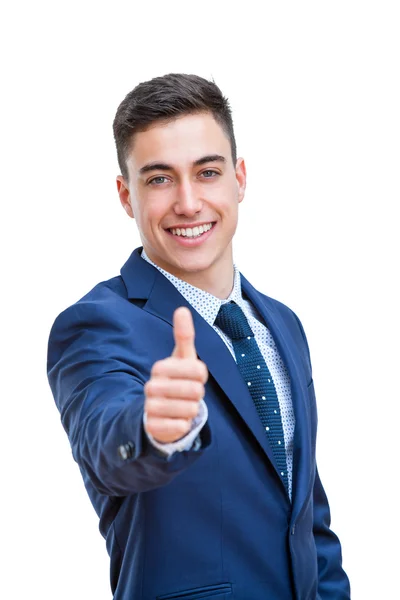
(166, 98)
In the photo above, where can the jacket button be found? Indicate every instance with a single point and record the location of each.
(126, 450)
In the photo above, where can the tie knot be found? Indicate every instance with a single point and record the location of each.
(232, 321)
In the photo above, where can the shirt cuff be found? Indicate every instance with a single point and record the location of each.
(191, 439)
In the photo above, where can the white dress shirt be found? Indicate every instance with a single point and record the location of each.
(208, 306)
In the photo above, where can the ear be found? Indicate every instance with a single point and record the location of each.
(124, 195)
(240, 170)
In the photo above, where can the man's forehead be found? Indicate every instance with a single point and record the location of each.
(183, 141)
(199, 125)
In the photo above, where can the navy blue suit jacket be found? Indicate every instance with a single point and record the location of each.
(213, 523)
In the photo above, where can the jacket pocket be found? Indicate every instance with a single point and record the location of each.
(221, 591)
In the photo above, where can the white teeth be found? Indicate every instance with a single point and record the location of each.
(188, 232)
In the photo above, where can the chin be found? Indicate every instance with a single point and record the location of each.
(193, 264)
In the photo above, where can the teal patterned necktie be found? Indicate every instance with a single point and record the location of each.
(254, 370)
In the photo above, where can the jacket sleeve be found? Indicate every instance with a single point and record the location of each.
(97, 380)
(333, 583)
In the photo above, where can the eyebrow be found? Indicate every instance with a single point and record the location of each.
(159, 166)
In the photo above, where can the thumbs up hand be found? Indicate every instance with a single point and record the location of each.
(176, 385)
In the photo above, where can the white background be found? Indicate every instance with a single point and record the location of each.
(314, 88)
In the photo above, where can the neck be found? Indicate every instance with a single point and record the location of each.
(218, 284)
(217, 280)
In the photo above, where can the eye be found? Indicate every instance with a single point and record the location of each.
(209, 174)
(157, 180)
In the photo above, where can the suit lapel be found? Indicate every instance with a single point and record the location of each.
(302, 459)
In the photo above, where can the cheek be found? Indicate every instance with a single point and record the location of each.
(151, 210)
(230, 202)
(223, 198)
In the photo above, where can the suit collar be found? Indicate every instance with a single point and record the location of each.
(138, 276)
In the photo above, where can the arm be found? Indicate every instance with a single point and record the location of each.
(98, 384)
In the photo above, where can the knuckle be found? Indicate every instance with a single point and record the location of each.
(151, 425)
(183, 426)
(202, 371)
(194, 410)
(150, 407)
(160, 367)
(205, 373)
(149, 387)
(200, 390)
(156, 368)
(195, 390)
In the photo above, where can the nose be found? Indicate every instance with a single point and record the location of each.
(188, 203)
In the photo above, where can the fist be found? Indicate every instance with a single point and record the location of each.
(176, 385)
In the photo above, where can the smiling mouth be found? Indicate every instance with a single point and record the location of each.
(192, 232)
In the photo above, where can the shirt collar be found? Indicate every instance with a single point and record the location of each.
(205, 303)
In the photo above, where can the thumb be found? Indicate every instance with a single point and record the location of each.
(184, 334)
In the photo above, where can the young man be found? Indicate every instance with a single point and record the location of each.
(187, 395)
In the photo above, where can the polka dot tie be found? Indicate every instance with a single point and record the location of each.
(254, 370)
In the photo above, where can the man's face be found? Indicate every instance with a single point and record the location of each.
(184, 193)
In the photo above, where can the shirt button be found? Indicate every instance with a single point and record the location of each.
(293, 529)
(126, 450)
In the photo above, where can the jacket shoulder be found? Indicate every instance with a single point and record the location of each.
(104, 291)
(293, 323)
(282, 309)
(99, 318)
(110, 294)
(103, 308)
